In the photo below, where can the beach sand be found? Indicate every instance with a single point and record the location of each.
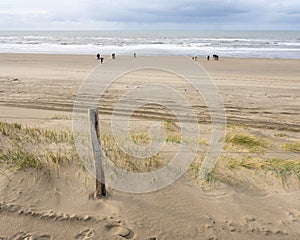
(244, 199)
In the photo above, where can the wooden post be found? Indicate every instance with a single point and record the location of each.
(97, 152)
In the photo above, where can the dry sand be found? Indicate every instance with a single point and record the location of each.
(261, 96)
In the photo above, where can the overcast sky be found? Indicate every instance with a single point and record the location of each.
(149, 14)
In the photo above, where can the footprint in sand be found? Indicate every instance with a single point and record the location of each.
(24, 236)
(88, 234)
(116, 229)
(44, 237)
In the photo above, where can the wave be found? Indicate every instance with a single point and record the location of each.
(157, 49)
(241, 44)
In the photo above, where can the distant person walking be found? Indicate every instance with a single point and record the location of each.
(113, 56)
(98, 56)
(208, 57)
(134, 55)
(102, 59)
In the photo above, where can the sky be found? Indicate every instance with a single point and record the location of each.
(150, 15)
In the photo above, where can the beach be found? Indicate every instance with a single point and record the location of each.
(253, 193)
(257, 92)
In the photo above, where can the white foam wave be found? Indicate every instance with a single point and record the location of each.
(242, 44)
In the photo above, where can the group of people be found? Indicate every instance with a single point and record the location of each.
(113, 56)
(215, 57)
(100, 58)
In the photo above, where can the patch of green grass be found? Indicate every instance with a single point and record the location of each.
(20, 159)
(245, 140)
(59, 156)
(281, 167)
(25, 148)
(195, 169)
(292, 147)
(7, 129)
(47, 135)
(170, 125)
(173, 131)
(15, 131)
(210, 176)
(141, 139)
(174, 138)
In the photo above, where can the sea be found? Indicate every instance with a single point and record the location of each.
(242, 44)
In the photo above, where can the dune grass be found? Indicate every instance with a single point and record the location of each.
(195, 168)
(174, 138)
(282, 167)
(245, 140)
(112, 150)
(170, 125)
(141, 139)
(19, 159)
(26, 147)
(292, 147)
(173, 131)
(211, 177)
(16, 131)
(7, 129)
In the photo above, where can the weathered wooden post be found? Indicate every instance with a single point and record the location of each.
(97, 152)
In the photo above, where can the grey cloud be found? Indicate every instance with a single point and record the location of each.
(187, 11)
(148, 14)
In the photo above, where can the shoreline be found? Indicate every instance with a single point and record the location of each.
(162, 55)
(225, 43)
